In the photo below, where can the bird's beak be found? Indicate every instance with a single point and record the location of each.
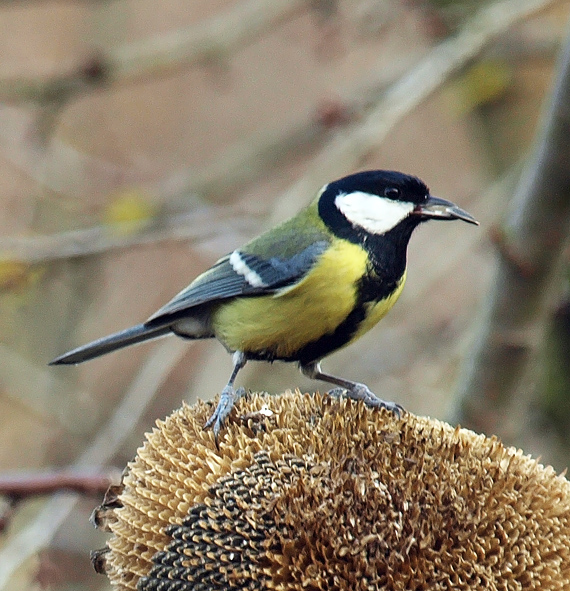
(440, 209)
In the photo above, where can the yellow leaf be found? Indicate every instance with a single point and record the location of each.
(17, 275)
(485, 82)
(128, 211)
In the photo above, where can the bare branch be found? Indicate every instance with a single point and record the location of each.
(199, 225)
(347, 150)
(246, 160)
(241, 163)
(512, 325)
(25, 485)
(209, 40)
(38, 533)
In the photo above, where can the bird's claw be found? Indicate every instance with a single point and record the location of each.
(363, 393)
(337, 392)
(228, 398)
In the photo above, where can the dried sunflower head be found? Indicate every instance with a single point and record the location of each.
(307, 492)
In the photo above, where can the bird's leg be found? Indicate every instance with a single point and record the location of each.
(352, 390)
(228, 397)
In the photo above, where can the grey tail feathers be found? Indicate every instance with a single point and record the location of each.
(118, 340)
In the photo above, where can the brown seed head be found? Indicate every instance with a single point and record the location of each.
(312, 493)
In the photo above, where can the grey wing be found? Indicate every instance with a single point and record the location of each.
(241, 274)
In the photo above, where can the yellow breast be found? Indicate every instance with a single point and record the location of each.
(376, 311)
(284, 322)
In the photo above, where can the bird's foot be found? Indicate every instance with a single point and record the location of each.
(228, 398)
(363, 393)
(337, 392)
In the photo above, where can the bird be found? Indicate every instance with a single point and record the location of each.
(303, 289)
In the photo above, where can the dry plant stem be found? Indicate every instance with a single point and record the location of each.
(530, 247)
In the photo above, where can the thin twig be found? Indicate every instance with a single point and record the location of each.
(243, 162)
(211, 40)
(197, 225)
(32, 484)
(246, 160)
(239, 164)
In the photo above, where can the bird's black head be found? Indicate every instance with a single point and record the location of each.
(388, 184)
(377, 203)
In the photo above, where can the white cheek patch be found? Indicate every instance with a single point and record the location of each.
(375, 214)
(242, 268)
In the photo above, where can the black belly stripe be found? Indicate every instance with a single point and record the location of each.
(370, 290)
(320, 348)
(387, 260)
(332, 341)
(387, 265)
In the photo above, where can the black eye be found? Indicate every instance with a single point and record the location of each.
(392, 193)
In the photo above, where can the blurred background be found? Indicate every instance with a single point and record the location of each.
(140, 141)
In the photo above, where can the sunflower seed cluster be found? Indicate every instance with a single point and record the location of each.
(304, 492)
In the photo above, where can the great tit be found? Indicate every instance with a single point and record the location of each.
(303, 289)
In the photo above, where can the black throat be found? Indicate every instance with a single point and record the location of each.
(387, 265)
(387, 252)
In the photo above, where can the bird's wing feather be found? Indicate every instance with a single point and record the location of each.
(242, 274)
